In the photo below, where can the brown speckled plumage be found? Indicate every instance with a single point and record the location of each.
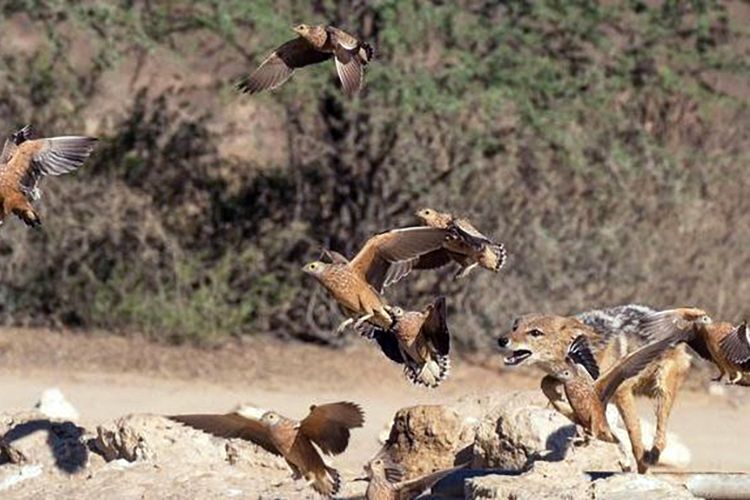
(385, 480)
(24, 161)
(313, 45)
(327, 426)
(356, 284)
(466, 245)
(420, 340)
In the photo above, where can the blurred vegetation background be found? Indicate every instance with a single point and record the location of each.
(605, 143)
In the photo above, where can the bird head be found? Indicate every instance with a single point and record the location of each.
(396, 312)
(270, 418)
(696, 315)
(426, 214)
(315, 268)
(383, 467)
(301, 29)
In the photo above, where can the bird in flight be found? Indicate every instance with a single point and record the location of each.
(356, 284)
(419, 340)
(326, 428)
(724, 344)
(314, 44)
(466, 246)
(25, 160)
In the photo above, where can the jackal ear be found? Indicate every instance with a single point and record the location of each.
(580, 352)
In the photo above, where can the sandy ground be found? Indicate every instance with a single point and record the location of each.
(105, 377)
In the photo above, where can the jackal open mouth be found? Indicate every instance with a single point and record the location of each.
(518, 357)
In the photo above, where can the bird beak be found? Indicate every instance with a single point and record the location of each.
(361, 478)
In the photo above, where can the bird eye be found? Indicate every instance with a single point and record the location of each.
(378, 462)
(536, 333)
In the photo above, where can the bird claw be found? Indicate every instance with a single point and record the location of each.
(342, 327)
(358, 324)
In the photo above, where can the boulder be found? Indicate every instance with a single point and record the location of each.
(545, 480)
(429, 437)
(522, 429)
(33, 438)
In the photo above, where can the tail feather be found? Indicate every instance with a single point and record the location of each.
(30, 218)
(495, 256)
(335, 480)
(430, 374)
(366, 52)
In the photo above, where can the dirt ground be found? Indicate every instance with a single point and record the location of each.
(105, 376)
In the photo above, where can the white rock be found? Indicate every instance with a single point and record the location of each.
(54, 405)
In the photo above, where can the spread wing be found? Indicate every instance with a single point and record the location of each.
(579, 352)
(230, 425)
(631, 366)
(736, 346)
(349, 68)
(433, 260)
(51, 156)
(435, 327)
(280, 64)
(328, 425)
(672, 323)
(348, 65)
(393, 247)
(386, 340)
(412, 488)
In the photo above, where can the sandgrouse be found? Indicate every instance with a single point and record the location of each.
(314, 44)
(326, 426)
(356, 284)
(589, 398)
(419, 340)
(385, 480)
(724, 344)
(466, 246)
(24, 161)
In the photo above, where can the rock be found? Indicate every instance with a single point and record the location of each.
(54, 405)
(630, 486)
(521, 429)
(13, 475)
(545, 480)
(427, 438)
(33, 438)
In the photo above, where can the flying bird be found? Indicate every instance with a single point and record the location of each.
(356, 285)
(314, 44)
(722, 343)
(326, 426)
(588, 397)
(23, 163)
(419, 340)
(385, 480)
(466, 246)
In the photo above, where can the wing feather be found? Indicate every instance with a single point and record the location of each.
(328, 425)
(392, 247)
(230, 425)
(736, 346)
(280, 65)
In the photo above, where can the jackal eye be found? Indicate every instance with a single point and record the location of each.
(514, 326)
(536, 333)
